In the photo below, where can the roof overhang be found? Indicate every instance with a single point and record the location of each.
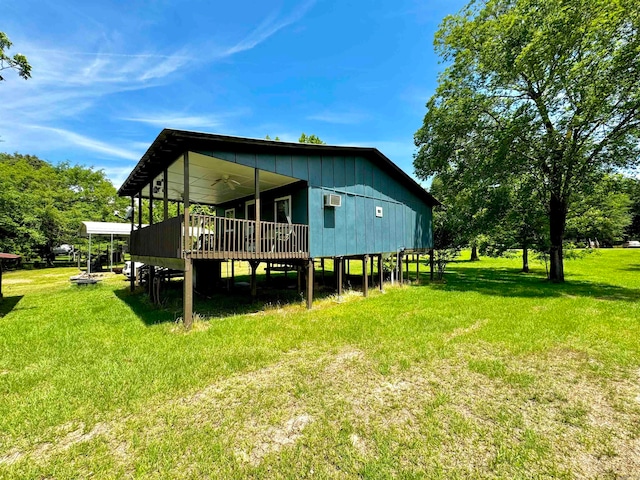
(171, 144)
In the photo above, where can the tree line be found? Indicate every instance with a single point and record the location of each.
(493, 219)
(42, 205)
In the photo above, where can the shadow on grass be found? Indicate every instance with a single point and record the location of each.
(8, 303)
(513, 283)
(632, 268)
(219, 304)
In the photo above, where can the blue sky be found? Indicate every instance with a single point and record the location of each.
(109, 75)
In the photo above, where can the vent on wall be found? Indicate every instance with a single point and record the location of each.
(332, 200)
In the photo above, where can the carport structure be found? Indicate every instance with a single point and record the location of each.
(109, 229)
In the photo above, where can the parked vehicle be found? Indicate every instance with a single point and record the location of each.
(631, 244)
(127, 268)
(63, 249)
(142, 272)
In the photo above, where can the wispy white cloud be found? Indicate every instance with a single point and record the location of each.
(76, 53)
(117, 175)
(341, 118)
(75, 87)
(168, 120)
(90, 144)
(271, 25)
(64, 85)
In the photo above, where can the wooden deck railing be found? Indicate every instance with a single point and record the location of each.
(219, 237)
(162, 239)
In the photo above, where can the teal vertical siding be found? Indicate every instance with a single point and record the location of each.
(283, 165)
(353, 228)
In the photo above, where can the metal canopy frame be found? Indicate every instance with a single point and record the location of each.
(112, 229)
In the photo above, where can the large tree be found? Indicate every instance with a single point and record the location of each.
(17, 62)
(547, 90)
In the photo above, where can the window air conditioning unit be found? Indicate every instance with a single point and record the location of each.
(332, 200)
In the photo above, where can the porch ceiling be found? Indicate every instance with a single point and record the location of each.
(204, 171)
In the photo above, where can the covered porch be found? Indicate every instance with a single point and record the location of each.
(221, 210)
(220, 213)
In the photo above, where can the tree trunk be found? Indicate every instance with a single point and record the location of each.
(557, 223)
(525, 258)
(474, 254)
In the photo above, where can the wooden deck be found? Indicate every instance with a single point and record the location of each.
(221, 238)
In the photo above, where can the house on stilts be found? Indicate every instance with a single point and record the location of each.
(271, 201)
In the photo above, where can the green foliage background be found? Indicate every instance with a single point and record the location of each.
(42, 205)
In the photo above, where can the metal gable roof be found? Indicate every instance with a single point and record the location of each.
(106, 228)
(169, 144)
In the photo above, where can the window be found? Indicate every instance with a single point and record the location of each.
(230, 213)
(250, 210)
(282, 209)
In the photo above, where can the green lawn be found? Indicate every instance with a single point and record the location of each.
(491, 374)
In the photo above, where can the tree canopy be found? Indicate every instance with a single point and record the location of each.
(304, 138)
(542, 90)
(17, 62)
(42, 205)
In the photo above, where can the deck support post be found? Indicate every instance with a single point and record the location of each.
(399, 268)
(418, 268)
(186, 246)
(152, 269)
(431, 262)
(406, 262)
(310, 279)
(345, 278)
(365, 276)
(338, 267)
(187, 314)
(373, 282)
(132, 271)
(254, 286)
(258, 233)
(380, 272)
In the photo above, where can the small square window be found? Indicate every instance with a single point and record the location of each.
(378, 211)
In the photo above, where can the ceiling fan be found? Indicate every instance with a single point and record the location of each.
(229, 182)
